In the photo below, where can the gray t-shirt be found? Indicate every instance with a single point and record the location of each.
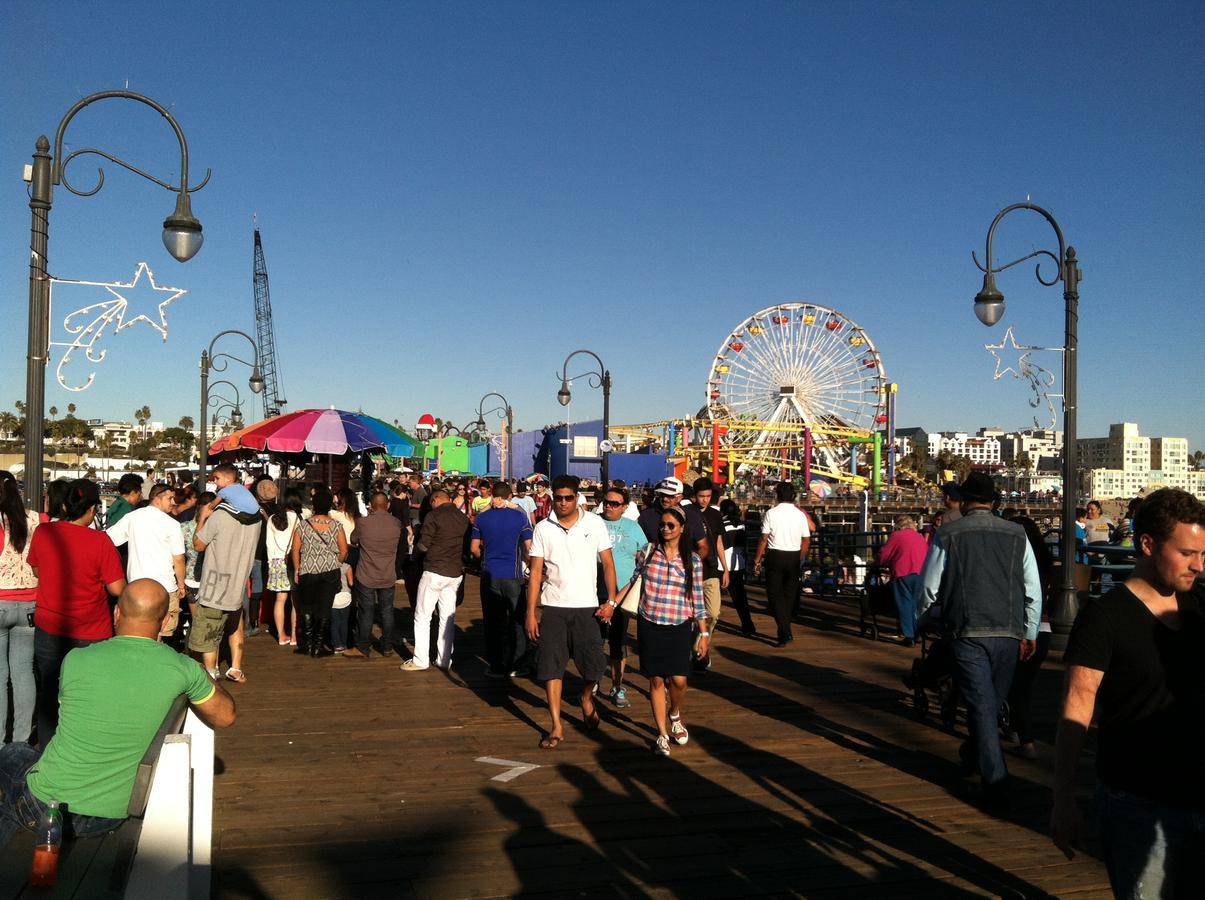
(229, 553)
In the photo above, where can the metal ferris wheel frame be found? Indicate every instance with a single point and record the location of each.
(796, 363)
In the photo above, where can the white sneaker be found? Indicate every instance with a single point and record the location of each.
(661, 748)
(411, 666)
(677, 731)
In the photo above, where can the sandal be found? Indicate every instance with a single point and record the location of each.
(235, 675)
(591, 723)
(551, 742)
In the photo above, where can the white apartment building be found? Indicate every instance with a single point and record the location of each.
(982, 451)
(1126, 462)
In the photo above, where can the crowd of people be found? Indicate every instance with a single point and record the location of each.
(88, 597)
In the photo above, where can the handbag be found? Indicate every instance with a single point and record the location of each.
(630, 601)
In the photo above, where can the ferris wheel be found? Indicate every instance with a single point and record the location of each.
(796, 364)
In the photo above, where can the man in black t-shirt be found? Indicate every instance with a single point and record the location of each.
(715, 570)
(1137, 657)
(669, 493)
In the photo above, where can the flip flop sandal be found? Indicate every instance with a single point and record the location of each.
(551, 742)
(235, 675)
(592, 722)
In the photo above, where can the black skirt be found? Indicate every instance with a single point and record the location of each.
(665, 650)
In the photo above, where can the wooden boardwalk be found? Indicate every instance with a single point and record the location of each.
(806, 775)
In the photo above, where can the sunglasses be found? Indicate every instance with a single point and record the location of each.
(612, 503)
(564, 498)
(668, 526)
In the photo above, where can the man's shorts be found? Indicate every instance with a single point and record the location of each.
(209, 626)
(569, 633)
(711, 599)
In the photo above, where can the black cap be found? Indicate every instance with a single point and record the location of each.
(978, 488)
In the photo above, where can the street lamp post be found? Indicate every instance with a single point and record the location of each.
(508, 414)
(601, 378)
(218, 363)
(181, 236)
(989, 307)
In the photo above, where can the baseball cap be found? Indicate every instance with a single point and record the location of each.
(669, 486)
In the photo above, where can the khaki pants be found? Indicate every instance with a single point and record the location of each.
(711, 599)
(173, 614)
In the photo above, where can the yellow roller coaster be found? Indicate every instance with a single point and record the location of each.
(784, 447)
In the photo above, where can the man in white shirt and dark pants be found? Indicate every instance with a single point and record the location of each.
(156, 548)
(566, 549)
(785, 537)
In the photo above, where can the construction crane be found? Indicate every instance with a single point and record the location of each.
(274, 402)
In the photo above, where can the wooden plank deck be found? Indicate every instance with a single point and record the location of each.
(806, 775)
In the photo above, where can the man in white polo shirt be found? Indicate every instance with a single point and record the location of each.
(566, 549)
(156, 548)
(785, 537)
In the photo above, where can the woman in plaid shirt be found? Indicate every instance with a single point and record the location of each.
(671, 599)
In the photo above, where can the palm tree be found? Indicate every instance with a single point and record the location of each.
(71, 409)
(8, 424)
(54, 411)
(143, 416)
(186, 423)
(105, 445)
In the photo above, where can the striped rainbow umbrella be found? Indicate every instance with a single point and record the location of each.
(333, 431)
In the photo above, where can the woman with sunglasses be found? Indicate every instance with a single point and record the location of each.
(671, 600)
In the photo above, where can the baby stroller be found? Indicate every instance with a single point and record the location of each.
(933, 673)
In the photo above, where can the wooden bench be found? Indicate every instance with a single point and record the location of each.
(101, 866)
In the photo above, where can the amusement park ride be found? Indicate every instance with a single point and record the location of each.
(795, 390)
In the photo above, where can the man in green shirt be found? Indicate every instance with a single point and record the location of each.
(113, 697)
(130, 490)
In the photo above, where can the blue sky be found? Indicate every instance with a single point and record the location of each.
(453, 196)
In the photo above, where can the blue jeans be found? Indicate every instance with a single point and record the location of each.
(983, 670)
(504, 607)
(49, 650)
(16, 665)
(368, 600)
(19, 808)
(904, 589)
(340, 618)
(1151, 850)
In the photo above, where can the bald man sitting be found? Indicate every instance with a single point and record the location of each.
(113, 697)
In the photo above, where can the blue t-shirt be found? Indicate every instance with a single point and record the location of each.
(627, 539)
(503, 530)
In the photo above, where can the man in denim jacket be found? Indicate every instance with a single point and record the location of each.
(980, 568)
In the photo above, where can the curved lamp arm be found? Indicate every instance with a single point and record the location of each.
(989, 302)
(215, 400)
(597, 379)
(503, 411)
(181, 230)
(256, 382)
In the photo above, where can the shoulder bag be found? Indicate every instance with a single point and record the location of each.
(629, 597)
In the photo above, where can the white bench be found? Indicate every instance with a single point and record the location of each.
(163, 850)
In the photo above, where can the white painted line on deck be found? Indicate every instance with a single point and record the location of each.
(517, 768)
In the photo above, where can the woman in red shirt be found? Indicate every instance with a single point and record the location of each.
(77, 567)
(904, 556)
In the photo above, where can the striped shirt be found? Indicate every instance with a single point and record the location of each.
(663, 599)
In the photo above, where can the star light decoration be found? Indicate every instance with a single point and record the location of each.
(1040, 380)
(88, 324)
